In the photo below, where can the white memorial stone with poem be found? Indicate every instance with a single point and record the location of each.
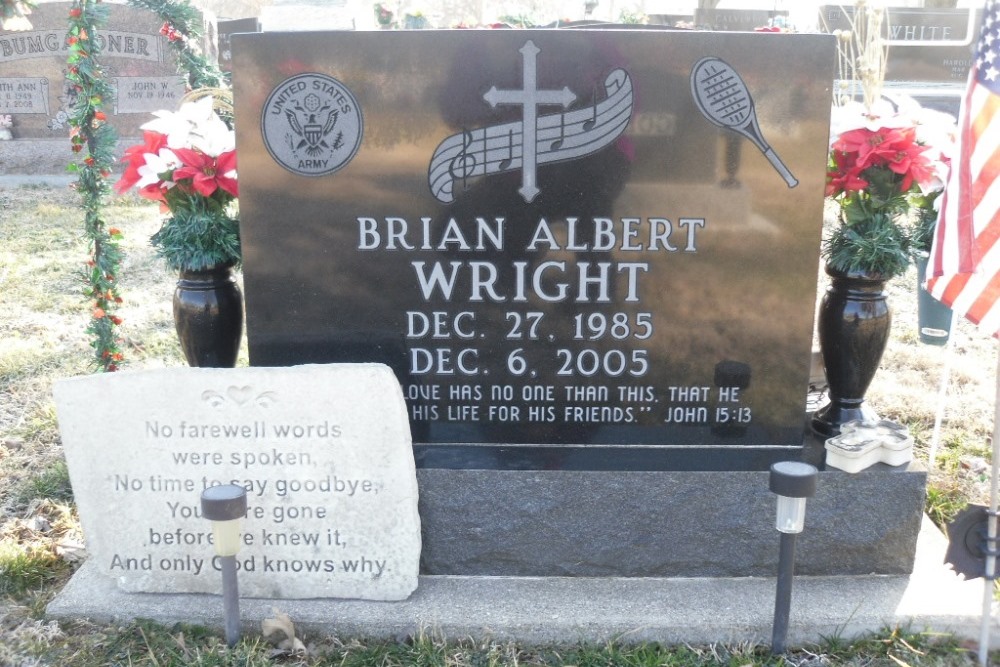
(324, 452)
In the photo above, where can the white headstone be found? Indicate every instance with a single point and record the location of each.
(324, 453)
(291, 15)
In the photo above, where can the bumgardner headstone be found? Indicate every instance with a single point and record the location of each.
(34, 90)
(323, 452)
(590, 258)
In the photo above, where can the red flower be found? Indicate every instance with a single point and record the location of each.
(75, 13)
(207, 174)
(99, 313)
(100, 115)
(133, 159)
(116, 319)
(895, 149)
(846, 177)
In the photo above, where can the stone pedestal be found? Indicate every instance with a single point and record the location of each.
(662, 524)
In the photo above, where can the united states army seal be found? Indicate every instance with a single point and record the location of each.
(312, 124)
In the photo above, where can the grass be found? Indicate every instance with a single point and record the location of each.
(42, 339)
(144, 643)
(51, 484)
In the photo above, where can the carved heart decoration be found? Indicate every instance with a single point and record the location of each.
(240, 394)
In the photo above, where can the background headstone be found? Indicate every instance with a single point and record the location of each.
(34, 90)
(228, 28)
(944, 63)
(734, 19)
(324, 453)
(310, 15)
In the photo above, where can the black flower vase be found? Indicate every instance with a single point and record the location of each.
(854, 322)
(208, 314)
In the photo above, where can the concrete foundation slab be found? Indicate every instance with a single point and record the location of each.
(545, 610)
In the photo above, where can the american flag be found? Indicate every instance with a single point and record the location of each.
(964, 267)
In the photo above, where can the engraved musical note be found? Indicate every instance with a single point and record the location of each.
(724, 99)
(505, 163)
(465, 162)
(589, 125)
(558, 137)
(557, 144)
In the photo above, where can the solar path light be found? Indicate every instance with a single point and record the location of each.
(224, 506)
(793, 482)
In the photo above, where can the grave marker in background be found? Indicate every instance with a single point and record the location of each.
(323, 452)
(929, 63)
(745, 20)
(228, 28)
(34, 91)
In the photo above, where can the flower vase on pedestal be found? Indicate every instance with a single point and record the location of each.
(854, 323)
(208, 314)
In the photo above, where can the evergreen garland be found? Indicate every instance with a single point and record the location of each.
(94, 139)
(181, 27)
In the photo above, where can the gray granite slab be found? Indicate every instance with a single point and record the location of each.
(661, 524)
(584, 609)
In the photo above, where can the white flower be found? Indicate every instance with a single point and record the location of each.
(194, 125)
(213, 137)
(156, 164)
(15, 23)
(853, 116)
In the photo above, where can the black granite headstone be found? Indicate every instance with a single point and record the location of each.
(228, 28)
(590, 256)
(566, 243)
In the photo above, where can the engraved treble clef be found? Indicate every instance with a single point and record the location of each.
(463, 165)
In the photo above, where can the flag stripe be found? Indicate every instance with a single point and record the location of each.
(964, 270)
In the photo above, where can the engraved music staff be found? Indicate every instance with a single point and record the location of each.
(557, 137)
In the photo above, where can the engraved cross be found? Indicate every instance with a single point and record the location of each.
(530, 98)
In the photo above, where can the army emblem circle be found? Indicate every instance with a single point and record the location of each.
(311, 124)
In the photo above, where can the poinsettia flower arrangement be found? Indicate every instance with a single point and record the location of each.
(887, 156)
(884, 164)
(187, 162)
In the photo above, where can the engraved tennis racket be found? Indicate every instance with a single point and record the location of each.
(724, 99)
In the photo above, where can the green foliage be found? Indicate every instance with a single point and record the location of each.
(94, 139)
(943, 502)
(12, 8)
(52, 484)
(922, 232)
(182, 27)
(872, 245)
(631, 18)
(517, 20)
(24, 569)
(198, 236)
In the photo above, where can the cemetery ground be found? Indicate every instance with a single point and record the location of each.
(42, 323)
